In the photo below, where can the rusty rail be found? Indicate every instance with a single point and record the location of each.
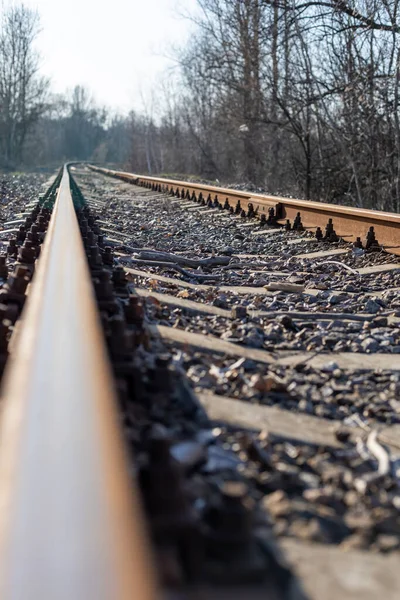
(349, 223)
(70, 522)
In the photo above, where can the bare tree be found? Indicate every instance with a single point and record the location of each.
(22, 89)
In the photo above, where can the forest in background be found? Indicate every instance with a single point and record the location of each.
(300, 98)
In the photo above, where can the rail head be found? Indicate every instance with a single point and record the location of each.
(70, 523)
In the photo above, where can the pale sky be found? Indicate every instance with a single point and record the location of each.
(115, 48)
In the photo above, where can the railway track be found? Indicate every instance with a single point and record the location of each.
(217, 382)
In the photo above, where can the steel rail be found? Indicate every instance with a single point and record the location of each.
(348, 222)
(71, 527)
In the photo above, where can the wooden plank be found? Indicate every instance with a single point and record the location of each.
(186, 204)
(201, 307)
(115, 232)
(170, 280)
(382, 292)
(344, 360)
(379, 268)
(252, 224)
(323, 253)
(303, 239)
(329, 573)
(391, 435)
(266, 232)
(287, 423)
(115, 241)
(14, 223)
(189, 305)
(236, 289)
(6, 231)
(297, 426)
(264, 256)
(210, 211)
(257, 291)
(349, 361)
(210, 343)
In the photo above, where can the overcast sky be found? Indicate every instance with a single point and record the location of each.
(114, 48)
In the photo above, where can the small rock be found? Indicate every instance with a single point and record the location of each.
(371, 306)
(321, 286)
(329, 367)
(370, 345)
(220, 303)
(189, 454)
(267, 384)
(287, 323)
(220, 459)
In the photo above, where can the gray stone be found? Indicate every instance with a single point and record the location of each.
(372, 307)
(370, 345)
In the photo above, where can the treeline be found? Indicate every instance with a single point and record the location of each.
(301, 98)
(73, 128)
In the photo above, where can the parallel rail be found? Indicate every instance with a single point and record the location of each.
(70, 522)
(349, 223)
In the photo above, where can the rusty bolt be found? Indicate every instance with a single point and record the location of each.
(271, 217)
(3, 267)
(119, 277)
(95, 259)
(371, 241)
(250, 210)
(41, 223)
(328, 229)
(108, 257)
(12, 248)
(120, 341)
(333, 237)
(27, 255)
(103, 286)
(16, 284)
(134, 311)
(21, 235)
(297, 224)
